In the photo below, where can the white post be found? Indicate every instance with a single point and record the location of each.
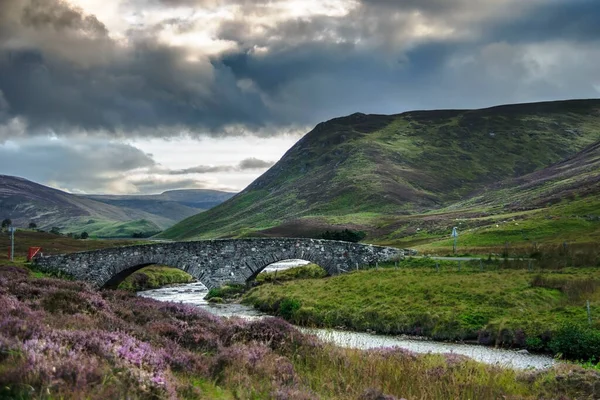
(12, 243)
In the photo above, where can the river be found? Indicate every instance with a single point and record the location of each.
(194, 294)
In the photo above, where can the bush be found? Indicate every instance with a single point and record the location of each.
(288, 307)
(346, 235)
(226, 291)
(576, 343)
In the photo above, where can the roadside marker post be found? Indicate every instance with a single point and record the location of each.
(12, 242)
(455, 236)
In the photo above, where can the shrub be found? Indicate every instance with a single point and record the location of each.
(535, 344)
(576, 343)
(288, 307)
(346, 235)
(227, 291)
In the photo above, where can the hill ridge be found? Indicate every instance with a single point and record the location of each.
(401, 164)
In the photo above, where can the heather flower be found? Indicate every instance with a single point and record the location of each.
(293, 393)
(394, 352)
(376, 394)
(454, 360)
(273, 332)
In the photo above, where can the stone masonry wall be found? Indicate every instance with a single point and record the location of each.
(215, 262)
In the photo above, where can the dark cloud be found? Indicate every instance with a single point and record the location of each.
(93, 166)
(573, 20)
(246, 164)
(71, 75)
(61, 70)
(157, 186)
(255, 163)
(201, 169)
(60, 16)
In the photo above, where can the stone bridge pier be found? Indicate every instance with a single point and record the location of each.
(215, 262)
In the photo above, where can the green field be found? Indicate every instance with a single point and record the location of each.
(492, 302)
(97, 228)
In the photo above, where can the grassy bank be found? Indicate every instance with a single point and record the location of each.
(154, 277)
(502, 304)
(62, 340)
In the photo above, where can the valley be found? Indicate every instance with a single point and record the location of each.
(25, 202)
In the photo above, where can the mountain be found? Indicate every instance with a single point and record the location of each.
(371, 172)
(575, 177)
(24, 201)
(174, 205)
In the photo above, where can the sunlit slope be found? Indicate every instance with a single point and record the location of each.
(363, 170)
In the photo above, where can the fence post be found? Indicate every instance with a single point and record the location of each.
(376, 266)
(529, 266)
(396, 264)
(589, 313)
(357, 266)
(437, 266)
(481, 264)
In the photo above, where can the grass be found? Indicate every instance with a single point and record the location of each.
(309, 271)
(502, 304)
(55, 244)
(113, 229)
(61, 340)
(154, 277)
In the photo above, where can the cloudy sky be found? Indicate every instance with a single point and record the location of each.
(141, 96)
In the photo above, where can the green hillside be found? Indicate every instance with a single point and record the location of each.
(382, 173)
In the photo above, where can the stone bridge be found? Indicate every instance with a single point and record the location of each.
(214, 262)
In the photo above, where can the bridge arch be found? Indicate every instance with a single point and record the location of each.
(215, 262)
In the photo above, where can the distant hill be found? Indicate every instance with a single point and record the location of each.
(24, 201)
(372, 172)
(174, 205)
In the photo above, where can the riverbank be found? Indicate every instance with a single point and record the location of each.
(154, 277)
(60, 339)
(490, 304)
